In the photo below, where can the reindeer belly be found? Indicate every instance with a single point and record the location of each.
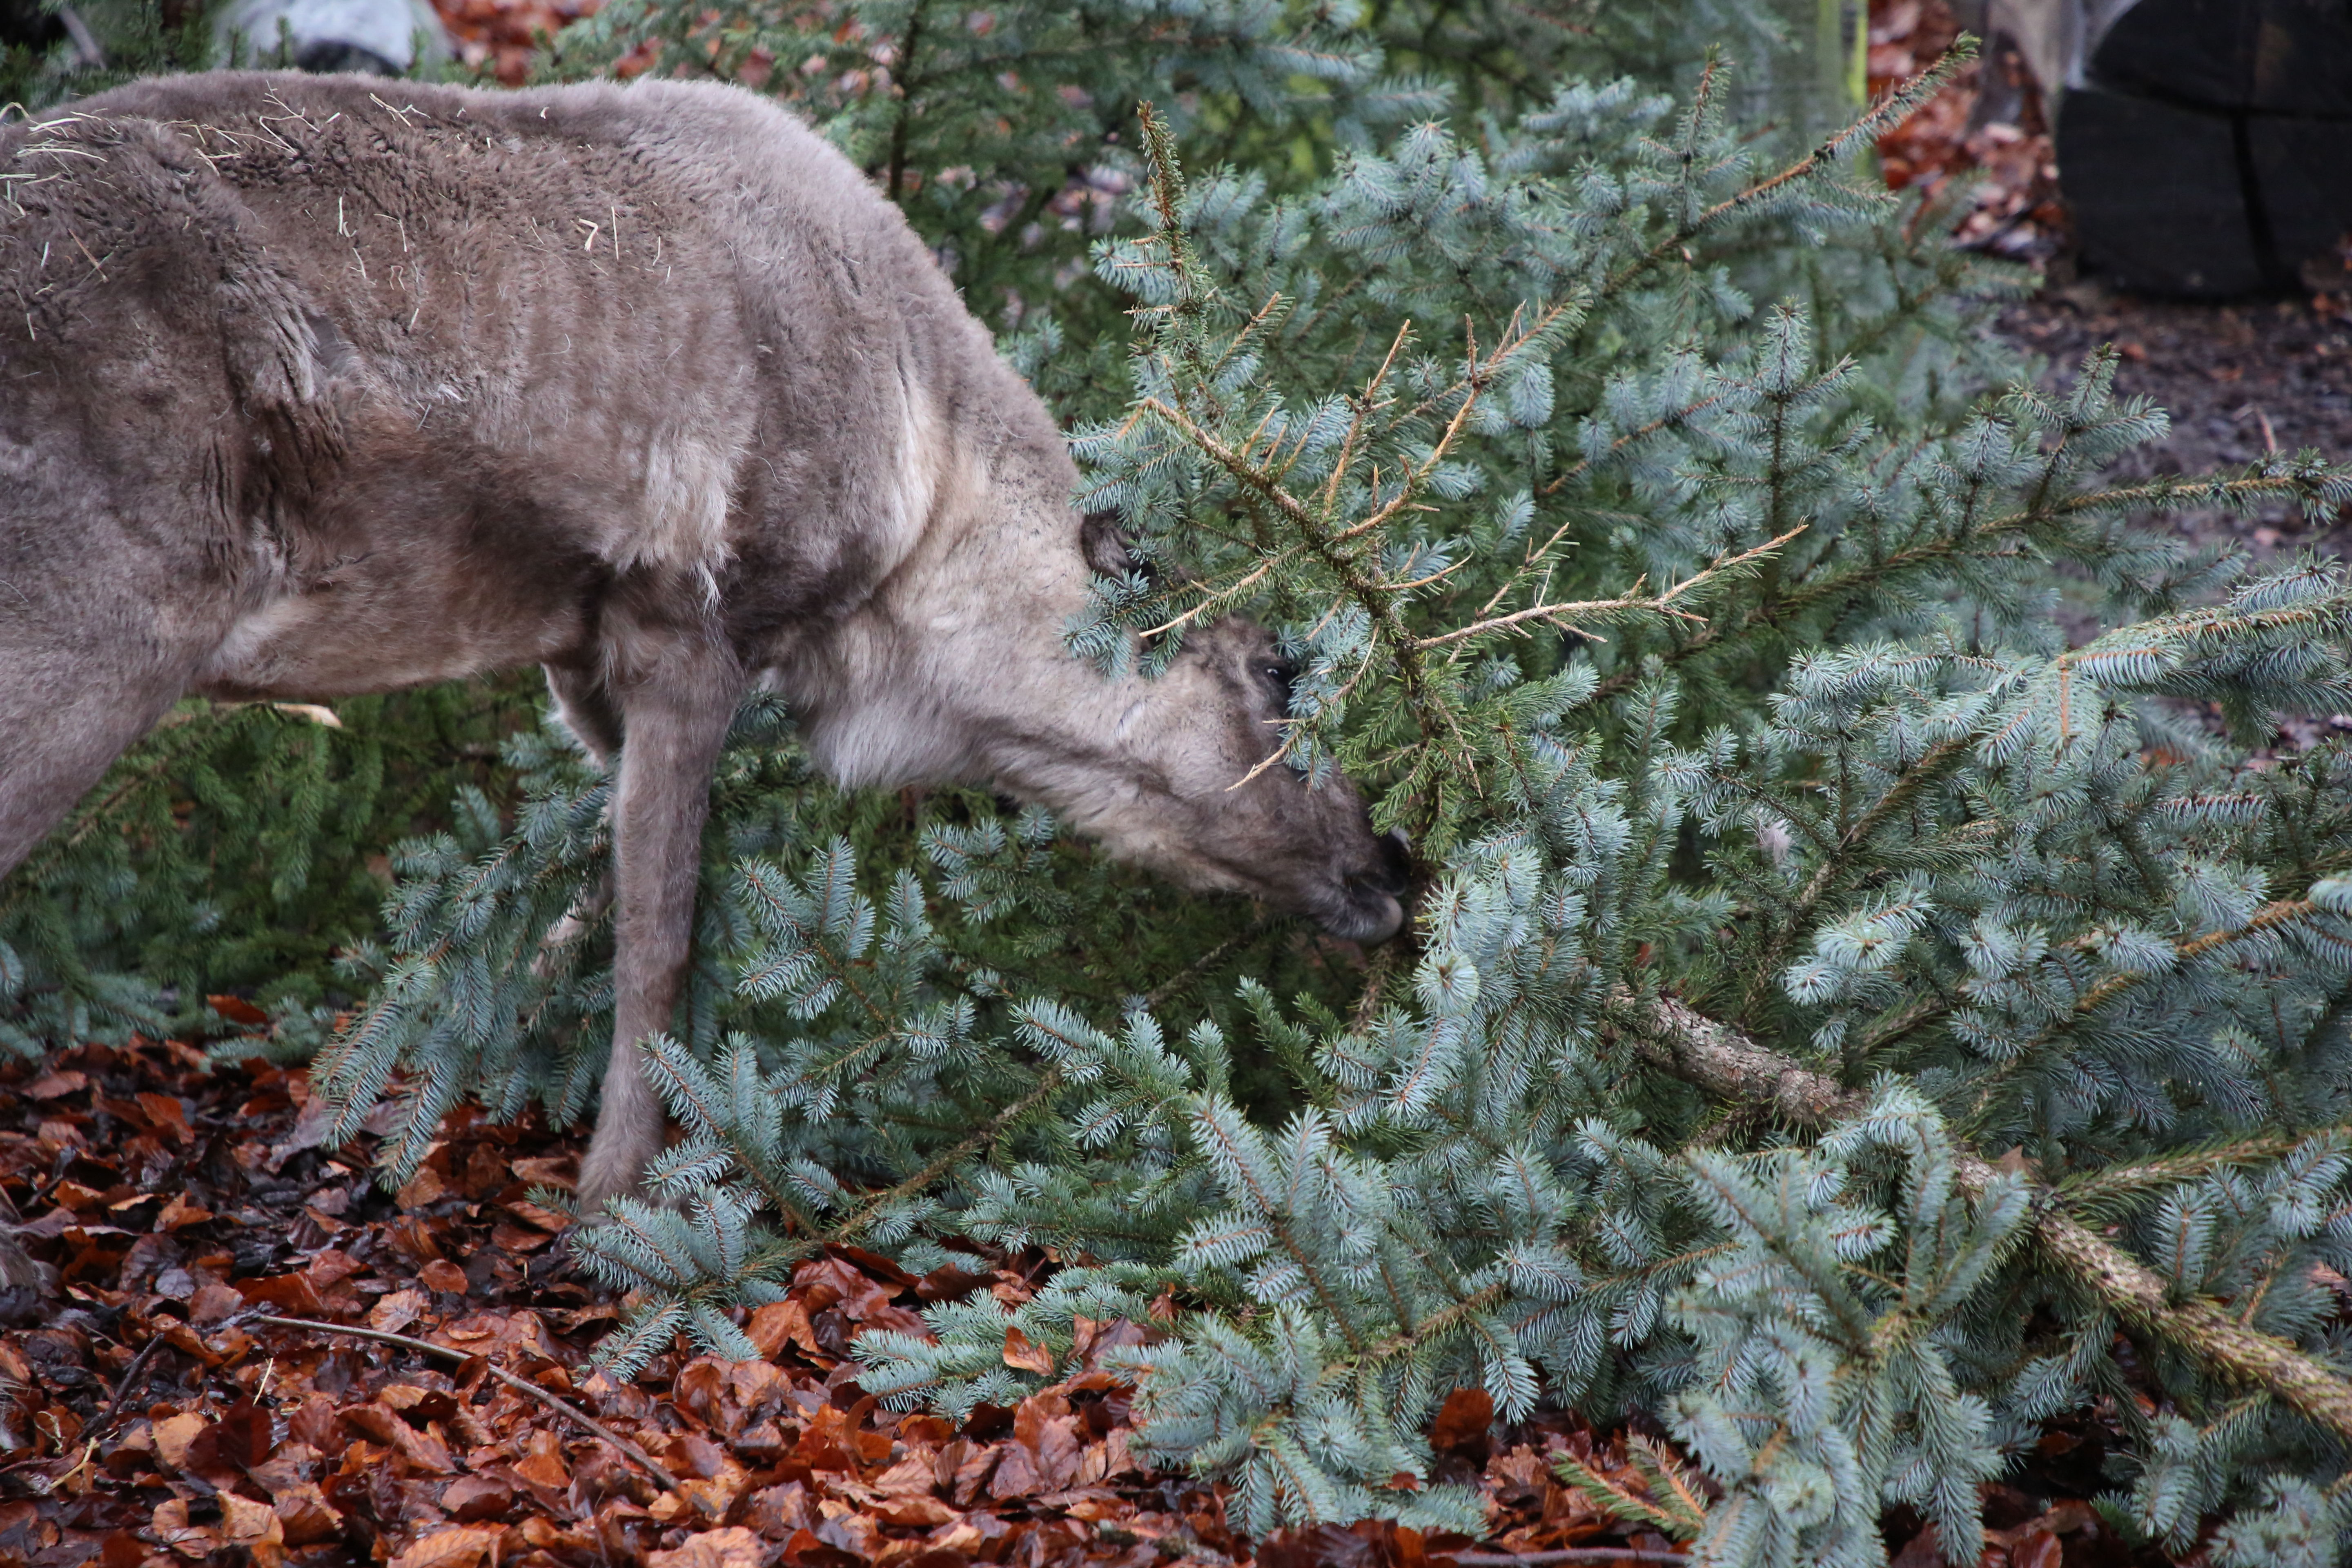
(336, 643)
(402, 614)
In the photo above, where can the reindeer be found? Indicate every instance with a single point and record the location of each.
(311, 386)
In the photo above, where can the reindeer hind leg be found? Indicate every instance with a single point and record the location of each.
(587, 709)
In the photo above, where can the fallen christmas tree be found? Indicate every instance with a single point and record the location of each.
(1842, 1022)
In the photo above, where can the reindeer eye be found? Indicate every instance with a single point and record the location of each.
(1278, 673)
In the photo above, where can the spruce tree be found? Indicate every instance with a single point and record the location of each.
(1836, 1007)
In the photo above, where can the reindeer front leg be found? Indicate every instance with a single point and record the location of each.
(675, 711)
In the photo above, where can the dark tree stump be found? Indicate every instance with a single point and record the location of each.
(2269, 56)
(2194, 52)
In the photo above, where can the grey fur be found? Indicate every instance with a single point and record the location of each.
(320, 386)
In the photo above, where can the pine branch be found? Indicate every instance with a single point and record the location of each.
(1272, 1210)
(1726, 1064)
(1874, 572)
(1567, 614)
(1943, 754)
(1928, 1009)
(791, 1250)
(2120, 1184)
(2155, 493)
(1889, 111)
(1624, 1504)
(2270, 917)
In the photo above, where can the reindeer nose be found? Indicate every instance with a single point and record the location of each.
(1374, 895)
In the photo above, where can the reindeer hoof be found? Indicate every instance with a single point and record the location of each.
(562, 1260)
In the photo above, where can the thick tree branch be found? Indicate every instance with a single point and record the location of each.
(1725, 1063)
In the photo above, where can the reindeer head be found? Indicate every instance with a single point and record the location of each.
(957, 670)
(1177, 780)
(1187, 741)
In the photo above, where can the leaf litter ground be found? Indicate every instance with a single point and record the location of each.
(149, 1414)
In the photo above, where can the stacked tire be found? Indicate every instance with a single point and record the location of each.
(2207, 150)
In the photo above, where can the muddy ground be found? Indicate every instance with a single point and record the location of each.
(2237, 379)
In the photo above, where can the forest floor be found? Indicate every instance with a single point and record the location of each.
(252, 1354)
(2237, 380)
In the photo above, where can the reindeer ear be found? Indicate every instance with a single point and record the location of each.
(1104, 544)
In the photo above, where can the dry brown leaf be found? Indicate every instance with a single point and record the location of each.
(552, 1172)
(913, 1475)
(236, 1010)
(214, 1304)
(397, 1310)
(778, 1512)
(458, 1546)
(170, 1526)
(1463, 1421)
(542, 1464)
(1015, 1476)
(289, 1293)
(406, 1397)
(1021, 1354)
(165, 1113)
(2038, 1549)
(329, 1268)
(179, 1214)
(308, 1518)
(912, 1512)
(1058, 1447)
(780, 1324)
(470, 1500)
(733, 1547)
(531, 1214)
(511, 1239)
(425, 1187)
(425, 1450)
(974, 1471)
(443, 1275)
(254, 1526)
(848, 1528)
(172, 1435)
(967, 1537)
(56, 1085)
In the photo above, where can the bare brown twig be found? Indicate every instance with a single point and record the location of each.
(1566, 1555)
(1663, 603)
(563, 1407)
